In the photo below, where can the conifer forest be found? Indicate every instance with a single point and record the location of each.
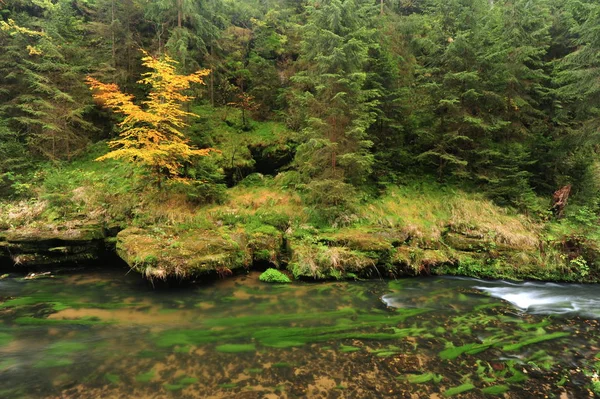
(299, 198)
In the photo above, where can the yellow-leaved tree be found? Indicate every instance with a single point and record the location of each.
(150, 134)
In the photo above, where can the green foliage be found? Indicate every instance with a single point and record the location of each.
(274, 276)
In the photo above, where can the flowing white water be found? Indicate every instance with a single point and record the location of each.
(549, 298)
(531, 297)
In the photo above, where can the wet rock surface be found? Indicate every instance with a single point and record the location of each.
(32, 248)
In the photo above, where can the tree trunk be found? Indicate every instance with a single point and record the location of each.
(112, 29)
(333, 140)
(560, 199)
(179, 12)
(212, 77)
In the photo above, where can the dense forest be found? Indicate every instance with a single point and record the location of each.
(335, 102)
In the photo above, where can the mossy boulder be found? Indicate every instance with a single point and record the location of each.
(414, 261)
(162, 254)
(469, 244)
(265, 246)
(319, 261)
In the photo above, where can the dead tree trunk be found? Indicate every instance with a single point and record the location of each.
(559, 200)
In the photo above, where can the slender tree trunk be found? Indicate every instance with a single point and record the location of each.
(212, 77)
(380, 7)
(333, 139)
(112, 29)
(179, 12)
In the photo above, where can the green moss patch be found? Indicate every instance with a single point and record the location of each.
(274, 276)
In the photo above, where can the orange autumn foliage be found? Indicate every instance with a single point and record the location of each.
(151, 132)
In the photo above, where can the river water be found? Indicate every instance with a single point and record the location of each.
(107, 334)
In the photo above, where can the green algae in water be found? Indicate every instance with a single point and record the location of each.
(267, 320)
(348, 349)
(254, 371)
(386, 352)
(6, 364)
(517, 377)
(65, 348)
(170, 338)
(5, 339)
(235, 348)
(422, 378)
(496, 390)
(188, 380)
(173, 387)
(459, 389)
(52, 362)
(145, 377)
(62, 303)
(86, 321)
(469, 349)
(112, 378)
(182, 349)
(230, 385)
(179, 385)
(283, 344)
(147, 354)
(535, 340)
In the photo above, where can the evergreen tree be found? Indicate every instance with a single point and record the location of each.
(41, 96)
(335, 49)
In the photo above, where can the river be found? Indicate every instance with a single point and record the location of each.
(108, 334)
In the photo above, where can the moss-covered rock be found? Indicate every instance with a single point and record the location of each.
(412, 260)
(469, 244)
(161, 254)
(265, 246)
(319, 261)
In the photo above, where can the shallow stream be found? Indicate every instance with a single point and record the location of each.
(106, 334)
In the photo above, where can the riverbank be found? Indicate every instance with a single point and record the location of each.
(83, 212)
(410, 230)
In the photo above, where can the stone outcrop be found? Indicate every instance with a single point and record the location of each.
(30, 248)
